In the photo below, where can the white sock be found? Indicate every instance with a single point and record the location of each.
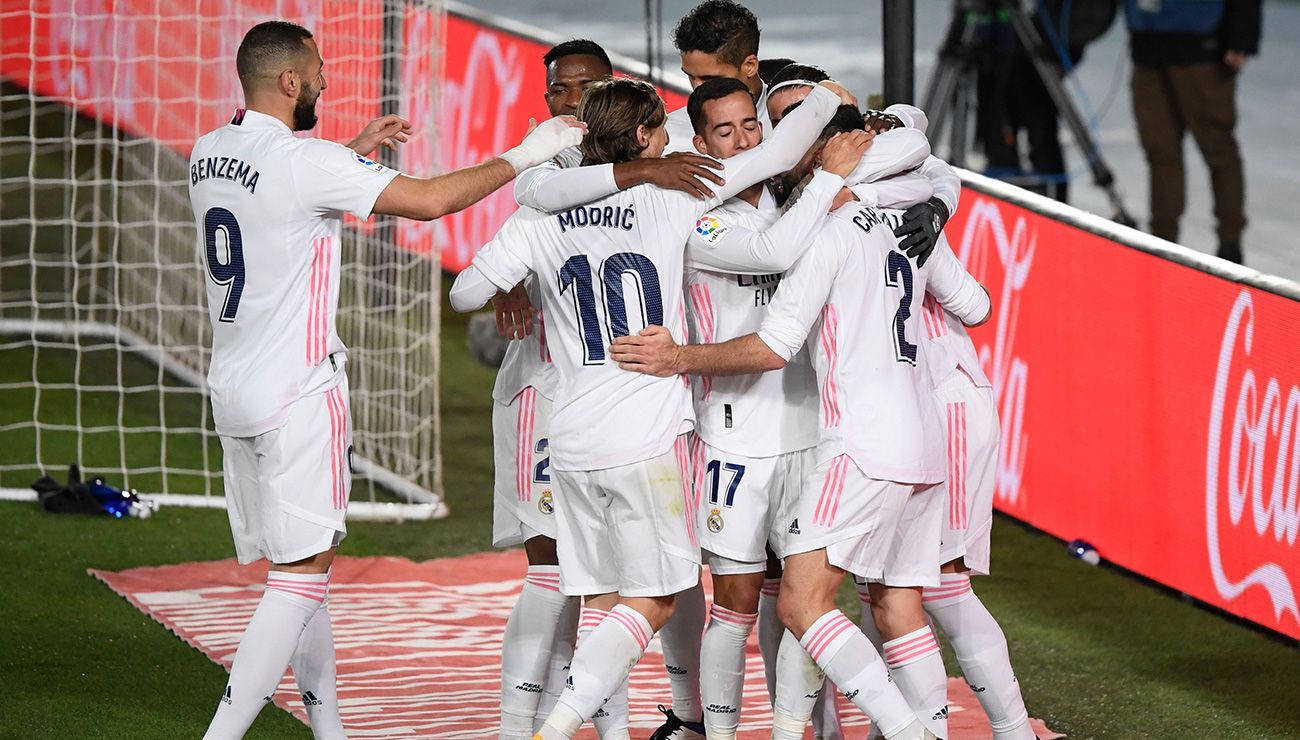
(566, 638)
(826, 715)
(681, 639)
(867, 623)
(287, 605)
(847, 657)
(722, 665)
(770, 630)
(916, 665)
(316, 673)
(601, 664)
(526, 649)
(981, 649)
(798, 684)
(611, 720)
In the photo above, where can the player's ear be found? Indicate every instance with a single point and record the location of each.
(289, 82)
(699, 144)
(642, 136)
(749, 66)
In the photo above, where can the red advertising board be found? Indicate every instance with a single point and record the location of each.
(1146, 406)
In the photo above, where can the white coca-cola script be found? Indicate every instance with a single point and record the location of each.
(1262, 426)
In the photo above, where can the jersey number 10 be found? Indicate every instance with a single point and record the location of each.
(577, 274)
(231, 272)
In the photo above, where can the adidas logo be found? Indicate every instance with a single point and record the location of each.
(941, 714)
(226, 697)
(531, 688)
(309, 700)
(794, 526)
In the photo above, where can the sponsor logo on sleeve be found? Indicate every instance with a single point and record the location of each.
(368, 163)
(710, 229)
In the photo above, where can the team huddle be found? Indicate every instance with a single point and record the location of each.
(738, 337)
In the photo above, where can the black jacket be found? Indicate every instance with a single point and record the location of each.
(1240, 31)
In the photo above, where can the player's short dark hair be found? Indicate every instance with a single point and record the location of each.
(769, 67)
(575, 47)
(718, 27)
(846, 118)
(612, 110)
(269, 48)
(718, 87)
(796, 71)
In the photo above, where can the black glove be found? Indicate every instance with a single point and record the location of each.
(922, 224)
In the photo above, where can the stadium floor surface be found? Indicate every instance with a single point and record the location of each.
(419, 644)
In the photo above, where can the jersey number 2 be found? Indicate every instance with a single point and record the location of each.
(231, 272)
(898, 273)
(576, 274)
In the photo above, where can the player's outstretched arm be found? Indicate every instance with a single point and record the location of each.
(716, 245)
(551, 188)
(425, 199)
(891, 153)
(498, 267)
(902, 191)
(471, 290)
(653, 352)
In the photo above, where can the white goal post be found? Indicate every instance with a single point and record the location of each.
(104, 335)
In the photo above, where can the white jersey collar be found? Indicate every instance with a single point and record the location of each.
(251, 119)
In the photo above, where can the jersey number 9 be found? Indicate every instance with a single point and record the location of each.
(230, 273)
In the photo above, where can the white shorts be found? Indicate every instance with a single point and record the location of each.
(742, 502)
(287, 489)
(913, 558)
(971, 419)
(851, 516)
(625, 529)
(523, 504)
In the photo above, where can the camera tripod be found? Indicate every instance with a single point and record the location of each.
(949, 98)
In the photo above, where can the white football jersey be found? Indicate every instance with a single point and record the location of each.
(681, 134)
(269, 209)
(527, 361)
(763, 414)
(954, 350)
(856, 299)
(606, 269)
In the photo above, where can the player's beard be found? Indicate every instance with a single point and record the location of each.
(304, 111)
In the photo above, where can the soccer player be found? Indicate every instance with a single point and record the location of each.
(964, 396)
(618, 444)
(880, 437)
(754, 433)
(269, 208)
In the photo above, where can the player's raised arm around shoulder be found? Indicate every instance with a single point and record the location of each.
(552, 188)
(896, 192)
(425, 199)
(786, 146)
(498, 267)
(892, 152)
(717, 245)
(653, 352)
(944, 179)
(955, 289)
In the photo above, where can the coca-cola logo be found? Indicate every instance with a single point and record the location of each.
(1262, 463)
(985, 238)
(480, 120)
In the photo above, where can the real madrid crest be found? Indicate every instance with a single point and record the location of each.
(544, 504)
(714, 522)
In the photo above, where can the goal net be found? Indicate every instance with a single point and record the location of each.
(104, 335)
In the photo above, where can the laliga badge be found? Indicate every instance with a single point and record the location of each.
(544, 504)
(714, 521)
(368, 163)
(710, 229)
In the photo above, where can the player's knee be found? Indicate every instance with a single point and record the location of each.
(739, 592)
(798, 608)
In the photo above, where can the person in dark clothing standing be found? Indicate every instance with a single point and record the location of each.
(1186, 57)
